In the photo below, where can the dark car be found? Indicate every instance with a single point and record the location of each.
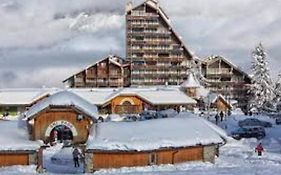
(249, 132)
(254, 122)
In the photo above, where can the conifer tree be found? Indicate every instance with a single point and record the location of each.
(261, 90)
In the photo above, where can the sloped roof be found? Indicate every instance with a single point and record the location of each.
(117, 60)
(13, 137)
(23, 96)
(213, 59)
(152, 95)
(184, 130)
(190, 82)
(64, 98)
(157, 95)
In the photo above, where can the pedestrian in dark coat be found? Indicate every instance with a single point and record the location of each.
(259, 149)
(217, 118)
(76, 155)
(221, 115)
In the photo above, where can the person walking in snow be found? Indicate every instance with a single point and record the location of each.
(217, 118)
(259, 149)
(221, 115)
(76, 155)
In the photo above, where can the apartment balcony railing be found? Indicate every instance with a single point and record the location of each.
(219, 71)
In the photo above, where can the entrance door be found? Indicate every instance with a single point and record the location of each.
(61, 133)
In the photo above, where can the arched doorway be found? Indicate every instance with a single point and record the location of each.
(60, 130)
(61, 133)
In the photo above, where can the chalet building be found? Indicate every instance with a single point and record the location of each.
(112, 71)
(62, 116)
(136, 100)
(108, 100)
(225, 78)
(157, 54)
(152, 142)
(216, 102)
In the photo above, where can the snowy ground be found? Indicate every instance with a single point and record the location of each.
(59, 160)
(236, 157)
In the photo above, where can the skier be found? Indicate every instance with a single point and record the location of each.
(76, 154)
(259, 149)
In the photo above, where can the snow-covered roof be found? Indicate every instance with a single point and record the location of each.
(14, 138)
(182, 131)
(191, 82)
(22, 96)
(101, 96)
(149, 94)
(64, 98)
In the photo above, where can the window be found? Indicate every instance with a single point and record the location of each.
(152, 159)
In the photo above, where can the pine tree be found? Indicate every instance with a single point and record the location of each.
(261, 90)
(277, 89)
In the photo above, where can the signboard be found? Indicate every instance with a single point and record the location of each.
(58, 123)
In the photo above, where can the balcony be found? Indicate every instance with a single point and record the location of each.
(115, 75)
(217, 71)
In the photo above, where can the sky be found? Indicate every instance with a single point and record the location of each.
(44, 42)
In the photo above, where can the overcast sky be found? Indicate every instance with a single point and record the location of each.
(42, 42)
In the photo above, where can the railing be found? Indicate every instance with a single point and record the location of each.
(219, 71)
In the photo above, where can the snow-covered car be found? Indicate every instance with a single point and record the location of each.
(254, 122)
(131, 117)
(148, 114)
(249, 132)
(278, 121)
(167, 113)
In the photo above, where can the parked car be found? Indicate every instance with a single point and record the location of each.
(254, 122)
(249, 132)
(278, 121)
(148, 114)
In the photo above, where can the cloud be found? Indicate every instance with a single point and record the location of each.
(38, 37)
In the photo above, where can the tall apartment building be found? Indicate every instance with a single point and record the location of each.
(157, 54)
(112, 71)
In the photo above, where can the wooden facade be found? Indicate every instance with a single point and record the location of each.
(99, 159)
(17, 157)
(134, 104)
(127, 105)
(9, 159)
(69, 116)
(224, 78)
(112, 71)
(221, 105)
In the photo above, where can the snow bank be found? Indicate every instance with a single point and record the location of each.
(64, 98)
(14, 138)
(188, 130)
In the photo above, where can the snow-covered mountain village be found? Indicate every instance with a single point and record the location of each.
(160, 109)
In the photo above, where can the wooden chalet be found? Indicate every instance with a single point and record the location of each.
(184, 138)
(136, 100)
(112, 71)
(62, 116)
(225, 78)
